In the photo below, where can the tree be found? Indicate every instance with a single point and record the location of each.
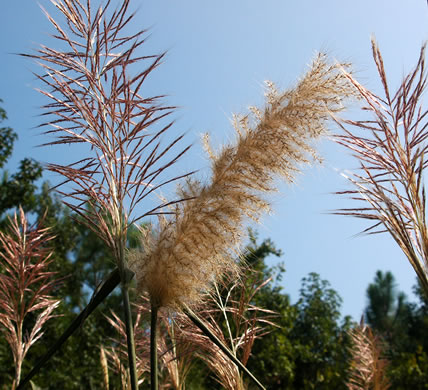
(308, 348)
(19, 188)
(321, 353)
(401, 326)
(387, 311)
(409, 350)
(7, 138)
(273, 354)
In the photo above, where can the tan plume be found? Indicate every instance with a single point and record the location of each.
(197, 245)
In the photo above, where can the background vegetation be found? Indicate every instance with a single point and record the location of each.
(307, 349)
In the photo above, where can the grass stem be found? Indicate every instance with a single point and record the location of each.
(125, 278)
(154, 348)
(130, 337)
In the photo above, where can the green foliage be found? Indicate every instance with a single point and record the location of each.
(77, 364)
(19, 188)
(272, 356)
(402, 327)
(321, 352)
(386, 310)
(308, 349)
(7, 139)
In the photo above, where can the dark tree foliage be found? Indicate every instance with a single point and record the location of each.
(308, 349)
(387, 309)
(321, 345)
(7, 139)
(18, 188)
(272, 356)
(402, 326)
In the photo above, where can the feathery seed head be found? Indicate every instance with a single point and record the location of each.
(390, 147)
(188, 252)
(96, 98)
(368, 367)
(25, 285)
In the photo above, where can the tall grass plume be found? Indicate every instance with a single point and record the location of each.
(368, 366)
(188, 252)
(25, 286)
(391, 148)
(94, 84)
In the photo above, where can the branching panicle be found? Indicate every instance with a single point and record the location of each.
(95, 99)
(368, 367)
(25, 285)
(392, 150)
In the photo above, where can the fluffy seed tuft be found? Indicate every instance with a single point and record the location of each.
(189, 251)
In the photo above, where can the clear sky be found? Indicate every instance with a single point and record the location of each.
(219, 54)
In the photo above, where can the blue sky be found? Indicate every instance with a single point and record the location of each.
(219, 54)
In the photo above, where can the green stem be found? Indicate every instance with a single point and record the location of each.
(154, 348)
(125, 278)
(130, 337)
(201, 325)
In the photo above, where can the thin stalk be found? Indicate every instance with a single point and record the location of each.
(154, 348)
(21, 347)
(201, 325)
(125, 278)
(104, 365)
(174, 351)
(223, 310)
(130, 336)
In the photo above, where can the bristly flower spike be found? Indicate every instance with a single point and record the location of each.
(188, 252)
